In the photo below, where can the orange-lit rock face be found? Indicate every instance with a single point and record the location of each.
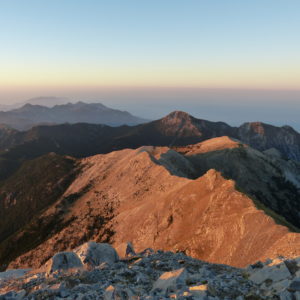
(179, 123)
(139, 200)
(219, 143)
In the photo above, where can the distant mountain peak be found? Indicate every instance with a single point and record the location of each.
(177, 114)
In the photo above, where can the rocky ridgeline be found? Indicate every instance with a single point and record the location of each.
(94, 271)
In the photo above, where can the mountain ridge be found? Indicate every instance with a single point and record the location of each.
(188, 209)
(176, 129)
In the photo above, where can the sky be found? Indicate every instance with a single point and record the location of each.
(156, 54)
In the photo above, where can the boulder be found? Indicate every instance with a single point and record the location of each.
(274, 273)
(93, 254)
(63, 261)
(171, 281)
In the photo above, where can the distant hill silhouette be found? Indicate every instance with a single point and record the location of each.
(30, 115)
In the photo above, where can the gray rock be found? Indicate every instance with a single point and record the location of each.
(13, 273)
(64, 261)
(20, 295)
(295, 286)
(275, 273)
(169, 281)
(281, 285)
(93, 254)
(130, 250)
(285, 296)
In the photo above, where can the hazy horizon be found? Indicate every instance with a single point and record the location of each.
(219, 60)
(234, 106)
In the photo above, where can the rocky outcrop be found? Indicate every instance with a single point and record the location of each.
(159, 275)
(93, 254)
(63, 261)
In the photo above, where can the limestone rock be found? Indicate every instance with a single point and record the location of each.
(93, 254)
(64, 261)
(274, 273)
(169, 281)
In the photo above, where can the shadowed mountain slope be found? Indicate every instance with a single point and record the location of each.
(158, 197)
(176, 129)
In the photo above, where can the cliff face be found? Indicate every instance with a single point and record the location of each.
(161, 198)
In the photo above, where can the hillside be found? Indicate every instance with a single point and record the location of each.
(117, 197)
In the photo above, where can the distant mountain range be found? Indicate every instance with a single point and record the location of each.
(189, 186)
(44, 101)
(29, 115)
(176, 129)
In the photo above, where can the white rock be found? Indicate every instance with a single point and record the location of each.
(93, 254)
(63, 261)
(170, 280)
(275, 273)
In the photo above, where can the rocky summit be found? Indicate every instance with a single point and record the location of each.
(97, 272)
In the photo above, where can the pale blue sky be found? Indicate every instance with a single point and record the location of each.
(146, 42)
(89, 47)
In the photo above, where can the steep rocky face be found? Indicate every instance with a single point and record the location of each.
(157, 197)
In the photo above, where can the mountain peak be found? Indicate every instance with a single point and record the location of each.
(177, 114)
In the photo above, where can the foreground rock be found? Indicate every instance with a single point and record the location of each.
(63, 261)
(93, 254)
(152, 275)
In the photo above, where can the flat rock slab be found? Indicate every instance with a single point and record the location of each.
(274, 273)
(170, 280)
(13, 274)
